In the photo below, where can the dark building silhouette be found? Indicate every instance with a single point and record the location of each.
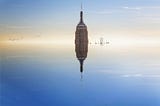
(81, 41)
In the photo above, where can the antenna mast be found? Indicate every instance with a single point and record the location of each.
(81, 6)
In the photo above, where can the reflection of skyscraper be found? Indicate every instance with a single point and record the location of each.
(81, 41)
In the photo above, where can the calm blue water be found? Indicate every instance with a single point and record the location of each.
(50, 76)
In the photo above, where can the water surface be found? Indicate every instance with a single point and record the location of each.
(50, 76)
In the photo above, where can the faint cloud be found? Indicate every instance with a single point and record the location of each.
(132, 8)
(140, 76)
(132, 75)
(140, 8)
(21, 57)
(18, 27)
(152, 7)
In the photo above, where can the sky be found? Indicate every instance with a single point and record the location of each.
(56, 20)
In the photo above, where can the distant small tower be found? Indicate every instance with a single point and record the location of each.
(81, 41)
(101, 41)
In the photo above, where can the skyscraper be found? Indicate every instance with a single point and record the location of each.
(81, 41)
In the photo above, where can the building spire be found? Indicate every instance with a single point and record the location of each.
(81, 76)
(81, 13)
(81, 65)
(81, 6)
(81, 17)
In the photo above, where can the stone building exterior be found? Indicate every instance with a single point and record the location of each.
(81, 41)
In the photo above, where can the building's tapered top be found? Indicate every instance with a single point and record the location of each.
(81, 17)
(81, 23)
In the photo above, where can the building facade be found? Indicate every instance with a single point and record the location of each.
(81, 41)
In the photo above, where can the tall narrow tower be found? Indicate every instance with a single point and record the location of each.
(81, 41)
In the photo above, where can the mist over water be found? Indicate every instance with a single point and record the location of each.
(50, 75)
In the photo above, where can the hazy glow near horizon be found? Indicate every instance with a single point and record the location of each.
(122, 22)
(113, 42)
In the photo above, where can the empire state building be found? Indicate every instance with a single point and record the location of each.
(81, 41)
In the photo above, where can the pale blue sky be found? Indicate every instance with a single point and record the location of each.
(59, 17)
